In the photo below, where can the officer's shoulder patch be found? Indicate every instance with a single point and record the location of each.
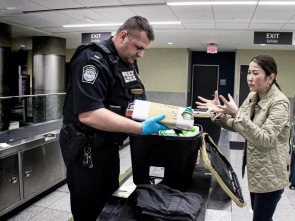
(89, 74)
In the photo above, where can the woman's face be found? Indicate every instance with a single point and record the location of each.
(257, 80)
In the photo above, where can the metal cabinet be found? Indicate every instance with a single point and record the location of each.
(29, 167)
(41, 167)
(9, 181)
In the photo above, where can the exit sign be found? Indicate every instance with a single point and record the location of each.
(212, 49)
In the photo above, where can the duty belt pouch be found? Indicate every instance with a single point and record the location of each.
(76, 143)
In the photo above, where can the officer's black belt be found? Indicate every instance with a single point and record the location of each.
(71, 130)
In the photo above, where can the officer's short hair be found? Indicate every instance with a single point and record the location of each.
(136, 24)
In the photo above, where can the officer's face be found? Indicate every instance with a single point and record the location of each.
(133, 46)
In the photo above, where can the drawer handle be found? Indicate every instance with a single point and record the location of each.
(13, 179)
(27, 173)
(49, 136)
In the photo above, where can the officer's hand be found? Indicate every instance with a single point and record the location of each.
(151, 126)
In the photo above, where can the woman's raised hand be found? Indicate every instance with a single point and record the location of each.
(209, 105)
(229, 107)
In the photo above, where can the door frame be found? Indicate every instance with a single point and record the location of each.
(192, 82)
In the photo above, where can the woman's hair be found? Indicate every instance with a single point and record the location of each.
(136, 24)
(268, 64)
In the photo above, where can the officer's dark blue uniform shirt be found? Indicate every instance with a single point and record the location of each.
(95, 83)
(91, 78)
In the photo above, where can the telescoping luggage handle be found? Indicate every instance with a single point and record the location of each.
(236, 196)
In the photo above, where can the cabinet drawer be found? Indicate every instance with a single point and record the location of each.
(41, 167)
(9, 181)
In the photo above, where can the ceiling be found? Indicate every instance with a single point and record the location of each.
(231, 27)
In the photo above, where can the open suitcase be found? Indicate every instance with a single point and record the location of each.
(221, 169)
(172, 159)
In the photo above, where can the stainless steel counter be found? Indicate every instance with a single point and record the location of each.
(30, 163)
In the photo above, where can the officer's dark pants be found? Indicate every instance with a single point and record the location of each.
(264, 204)
(90, 188)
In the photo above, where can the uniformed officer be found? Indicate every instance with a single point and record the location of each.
(102, 78)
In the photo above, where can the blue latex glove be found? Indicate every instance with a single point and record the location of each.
(151, 126)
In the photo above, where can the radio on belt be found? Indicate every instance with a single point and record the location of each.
(176, 117)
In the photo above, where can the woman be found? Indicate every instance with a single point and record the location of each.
(264, 121)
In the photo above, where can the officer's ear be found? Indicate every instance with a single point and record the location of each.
(123, 34)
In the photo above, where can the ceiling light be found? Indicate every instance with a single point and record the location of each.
(91, 25)
(213, 3)
(170, 43)
(166, 23)
(10, 8)
(115, 24)
(276, 3)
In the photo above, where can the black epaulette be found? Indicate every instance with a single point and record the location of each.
(111, 58)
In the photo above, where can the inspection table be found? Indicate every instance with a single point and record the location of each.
(121, 205)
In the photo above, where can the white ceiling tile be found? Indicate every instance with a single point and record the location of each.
(55, 18)
(28, 20)
(276, 0)
(80, 14)
(134, 2)
(169, 1)
(264, 26)
(225, 13)
(5, 12)
(193, 13)
(83, 29)
(167, 27)
(57, 4)
(199, 25)
(21, 5)
(290, 27)
(155, 13)
(91, 3)
(273, 14)
(222, 25)
(116, 14)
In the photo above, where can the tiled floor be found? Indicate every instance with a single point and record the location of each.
(56, 205)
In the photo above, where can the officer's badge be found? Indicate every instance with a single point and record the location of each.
(89, 74)
(129, 76)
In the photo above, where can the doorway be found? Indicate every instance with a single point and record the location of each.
(204, 82)
(244, 88)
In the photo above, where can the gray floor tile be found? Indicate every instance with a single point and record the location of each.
(63, 188)
(291, 196)
(284, 212)
(27, 214)
(125, 159)
(52, 215)
(241, 214)
(285, 200)
(241, 217)
(50, 199)
(63, 204)
(217, 215)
